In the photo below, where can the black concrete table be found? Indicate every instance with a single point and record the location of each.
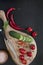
(28, 13)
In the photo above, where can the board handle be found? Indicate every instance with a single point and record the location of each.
(2, 16)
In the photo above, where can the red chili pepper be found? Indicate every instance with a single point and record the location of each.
(11, 9)
(15, 27)
(13, 22)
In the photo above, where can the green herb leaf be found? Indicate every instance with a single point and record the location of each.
(5, 24)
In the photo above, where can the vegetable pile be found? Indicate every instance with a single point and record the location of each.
(15, 26)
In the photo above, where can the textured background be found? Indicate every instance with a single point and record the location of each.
(28, 13)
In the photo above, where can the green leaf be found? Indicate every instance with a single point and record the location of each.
(5, 24)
